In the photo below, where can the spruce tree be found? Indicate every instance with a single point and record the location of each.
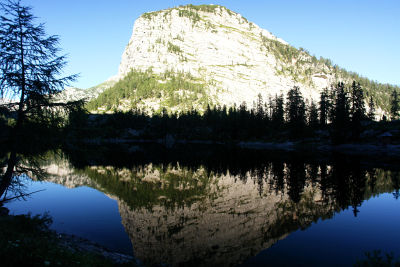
(371, 111)
(295, 111)
(313, 115)
(394, 105)
(340, 115)
(324, 107)
(357, 109)
(278, 111)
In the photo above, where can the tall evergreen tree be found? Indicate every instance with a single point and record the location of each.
(260, 106)
(313, 115)
(394, 105)
(357, 109)
(324, 106)
(29, 74)
(340, 114)
(278, 111)
(295, 110)
(29, 63)
(371, 110)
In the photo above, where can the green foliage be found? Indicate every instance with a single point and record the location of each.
(394, 105)
(371, 110)
(30, 68)
(301, 66)
(203, 8)
(278, 112)
(189, 11)
(174, 189)
(358, 112)
(174, 48)
(174, 89)
(296, 111)
(191, 14)
(268, 121)
(324, 107)
(340, 114)
(313, 119)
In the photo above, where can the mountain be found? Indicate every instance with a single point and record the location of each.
(73, 93)
(191, 56)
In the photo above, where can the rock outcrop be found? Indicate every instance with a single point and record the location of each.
(225, 60)
(235, 58)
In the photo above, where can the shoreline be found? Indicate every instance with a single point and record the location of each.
(363, 149)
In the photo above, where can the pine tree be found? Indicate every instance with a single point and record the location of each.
(260, 106)
(394, 105)
(340, 114)
(371, 111)
(313, 115)
(324, 107)
(278, 111)
(295, 111)
(357, 109)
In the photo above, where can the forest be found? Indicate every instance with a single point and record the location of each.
(343, 115)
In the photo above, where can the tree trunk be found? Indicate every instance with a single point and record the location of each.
(7, 177)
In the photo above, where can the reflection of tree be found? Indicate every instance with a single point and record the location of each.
(278, 176)
(149, 185)
(30, 69)
(395, 177)
(17, 167)
(345, 182)
(183, 210)
(296, 179)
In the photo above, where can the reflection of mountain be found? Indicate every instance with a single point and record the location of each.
(222, 230)
(180, 215)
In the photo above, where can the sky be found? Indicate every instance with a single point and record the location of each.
(359, 35)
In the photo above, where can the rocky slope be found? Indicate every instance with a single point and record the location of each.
(232, 58)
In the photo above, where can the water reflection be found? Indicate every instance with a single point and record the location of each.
(218, 207)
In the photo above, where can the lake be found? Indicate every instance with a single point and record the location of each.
(218, 206)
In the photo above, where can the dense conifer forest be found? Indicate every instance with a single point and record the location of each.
(342, 115)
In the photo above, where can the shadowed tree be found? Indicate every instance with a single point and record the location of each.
(278, 112)
(295, 111)
(371, 110)
(357, 109)
(30, 70)
(394, 105)
(324, 107)
(30, 67)
(313, 115)
(340, 114)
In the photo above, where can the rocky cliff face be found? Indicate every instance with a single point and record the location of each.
(235, 58)
(191, 56)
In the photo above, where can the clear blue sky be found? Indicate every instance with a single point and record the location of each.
(359, 35)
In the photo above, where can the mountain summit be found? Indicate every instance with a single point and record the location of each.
(190, 56)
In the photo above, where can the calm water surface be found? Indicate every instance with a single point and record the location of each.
(222, 208)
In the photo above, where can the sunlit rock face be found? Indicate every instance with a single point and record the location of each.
(235, 58)
(234, 220)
